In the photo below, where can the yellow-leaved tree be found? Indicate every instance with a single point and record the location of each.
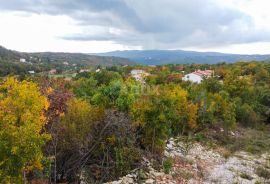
(162, 112)
(21, 129)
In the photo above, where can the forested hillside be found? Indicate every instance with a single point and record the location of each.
(105, 124)
(81, 59)
(11, 62)
(9, 55)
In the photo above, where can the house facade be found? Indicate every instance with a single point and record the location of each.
(198, 76)
(22, 60)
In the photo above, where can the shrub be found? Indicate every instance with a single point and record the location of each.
(262, 172)
(167, 165)
(245, 176)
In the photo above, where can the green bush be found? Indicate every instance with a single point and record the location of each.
(167, 165)
(126, 159)
(245, 176)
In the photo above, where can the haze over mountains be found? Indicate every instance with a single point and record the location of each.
(158, 57)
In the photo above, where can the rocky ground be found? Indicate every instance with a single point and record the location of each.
(194, 164)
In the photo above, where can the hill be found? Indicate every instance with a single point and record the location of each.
(10, 63)
(10, 55)
(81, 59)
(78, 58)
(44, 61)
(158, 57)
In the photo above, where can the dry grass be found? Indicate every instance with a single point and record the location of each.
(255, 141)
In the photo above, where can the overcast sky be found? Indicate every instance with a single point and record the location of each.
(90, 26)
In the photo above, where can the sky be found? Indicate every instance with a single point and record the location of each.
(92, 26)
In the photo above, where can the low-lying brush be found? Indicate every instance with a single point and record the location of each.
(262, 172)
(246, 176)
(255, 141)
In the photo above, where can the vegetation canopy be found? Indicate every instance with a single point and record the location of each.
(101, 124)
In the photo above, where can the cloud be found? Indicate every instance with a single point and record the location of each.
(151, 24)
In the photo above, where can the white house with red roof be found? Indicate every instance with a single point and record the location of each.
(198, 76)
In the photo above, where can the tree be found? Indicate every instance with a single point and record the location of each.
(85, 88)
(108, 94)
(217, 109)
(245, 114)
(77, 123)
(162, 112)
(212, 85)
(105, 77)
(235, 85)
(262, 76)
(117, 94)
(74, 137)
(21, 129)
(115, 151)
(58, 96)
(130, 91)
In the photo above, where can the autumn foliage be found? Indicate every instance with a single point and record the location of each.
(99, 125)
(22, 121)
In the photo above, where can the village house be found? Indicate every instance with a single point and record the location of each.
(22, 60)
(198, 76)
(139, 75)
(84, 70)
(52, 71)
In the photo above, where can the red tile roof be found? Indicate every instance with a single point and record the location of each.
(203, 72)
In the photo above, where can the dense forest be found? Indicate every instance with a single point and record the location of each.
(102, 124)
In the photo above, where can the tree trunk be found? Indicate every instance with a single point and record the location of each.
(24, 178)
(55, 174)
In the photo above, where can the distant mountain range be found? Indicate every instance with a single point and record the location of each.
(159, 57)
(131, 57)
